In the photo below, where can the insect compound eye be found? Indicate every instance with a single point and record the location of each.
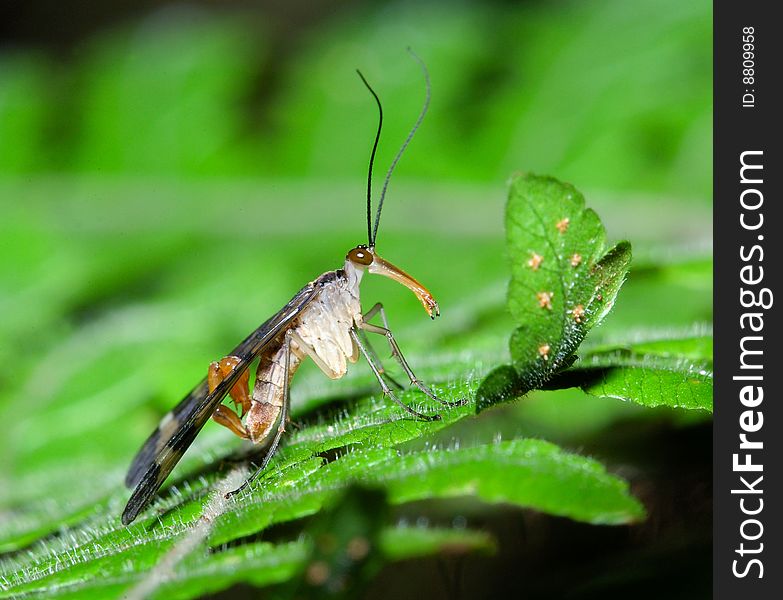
(360, 255)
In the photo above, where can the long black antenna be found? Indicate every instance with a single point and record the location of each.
(370, 236)
(404, 145)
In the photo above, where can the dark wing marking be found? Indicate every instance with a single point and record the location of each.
(176, 432)
(163, 432)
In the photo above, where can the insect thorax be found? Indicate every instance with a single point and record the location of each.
(326, 323)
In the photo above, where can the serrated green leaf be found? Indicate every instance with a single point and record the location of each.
(662, 371)
(259, 563)
(563, 281)
(529, 473)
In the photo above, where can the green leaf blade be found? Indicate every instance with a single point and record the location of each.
(563, 281)
(525, 472)
(673, 371)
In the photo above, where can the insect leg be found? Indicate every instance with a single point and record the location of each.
(226, 417)
(384, 386)
(223, 415)
(397, 353)
(239, 393)
(367, 316)
(283, 416)
(377, 360)
(377, 308)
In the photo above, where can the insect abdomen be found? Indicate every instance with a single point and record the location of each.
(268, 392)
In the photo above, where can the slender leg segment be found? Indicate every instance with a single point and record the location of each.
(384, 386)
(223, 415)
(396, 352)
(226, 417)
(377, 360)
(283, 416)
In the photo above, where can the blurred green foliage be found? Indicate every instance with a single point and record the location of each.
(613, 95)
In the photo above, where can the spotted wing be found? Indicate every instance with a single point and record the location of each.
(177, 430)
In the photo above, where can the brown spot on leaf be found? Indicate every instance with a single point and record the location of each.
(535, 261)
(578, 312)
(545, 299)
(562, 224)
